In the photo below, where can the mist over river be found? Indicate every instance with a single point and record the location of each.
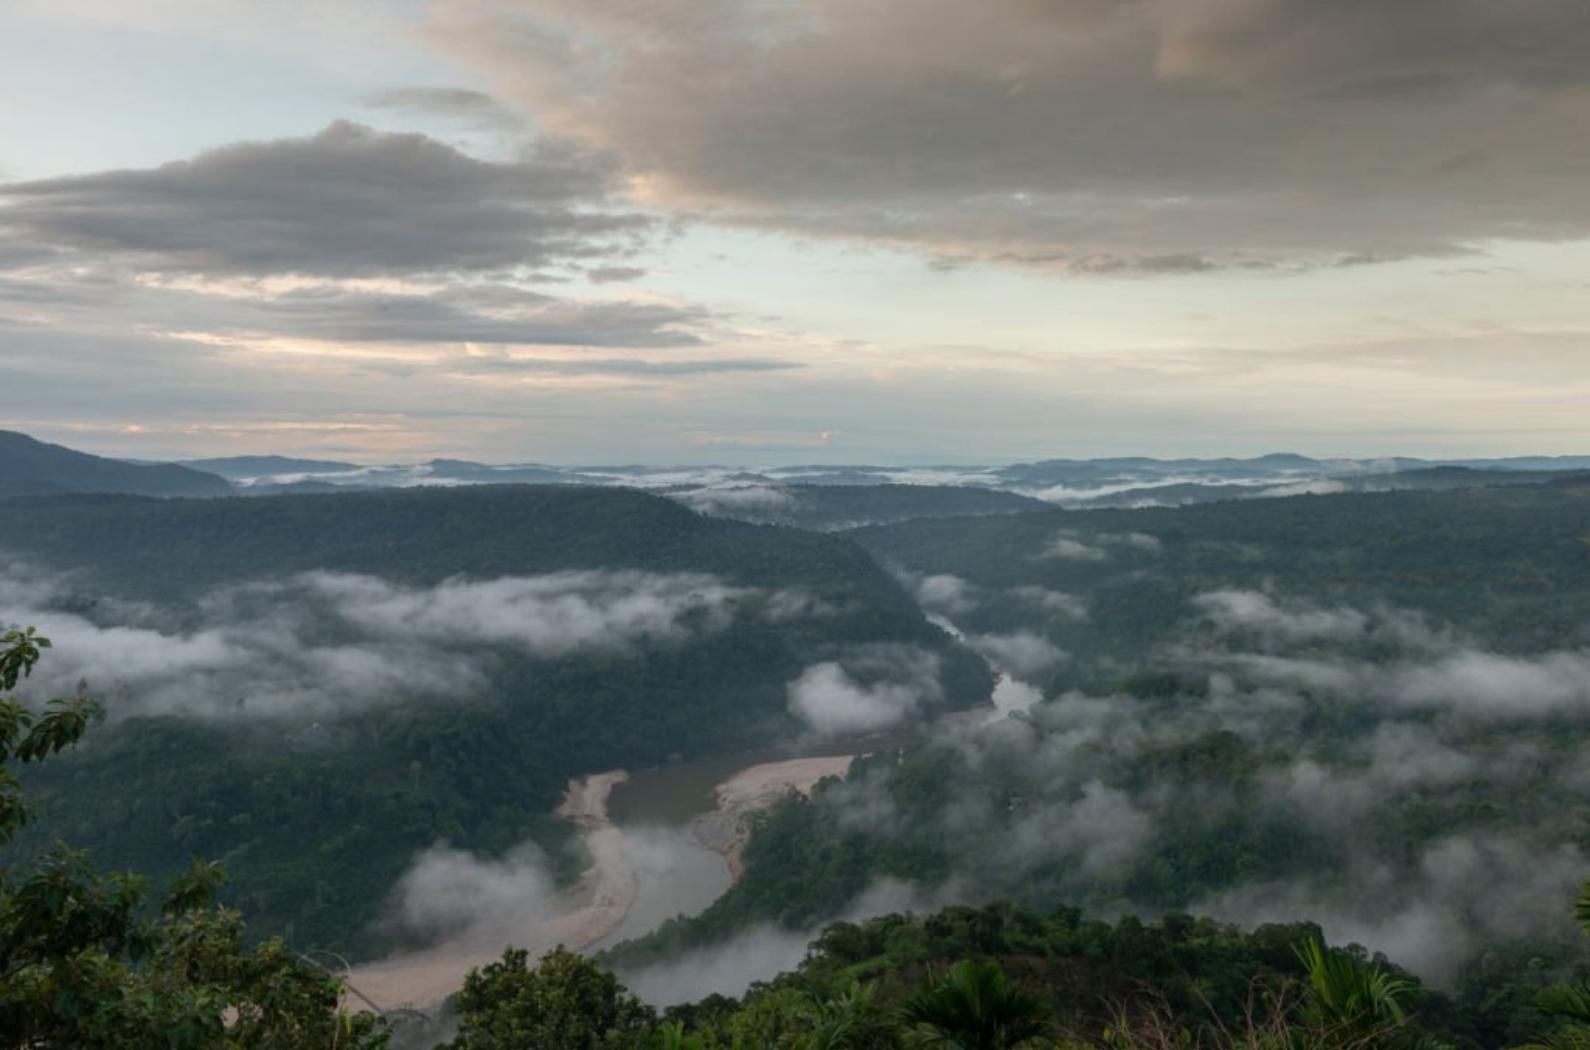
(662, 843)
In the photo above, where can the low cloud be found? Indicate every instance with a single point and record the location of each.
(549, 615)
(1466, 890)
(1066, 547)
(946, 593)
(1071, 545)
(1488, 685)
(761, 952)
(742, 498)
(453, 895)
(1022, 654)
(1258, 612)
(1084, 797)
(333, 643)
(870, 689)
(1051, 601)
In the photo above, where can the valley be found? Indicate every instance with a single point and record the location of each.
(423, 725)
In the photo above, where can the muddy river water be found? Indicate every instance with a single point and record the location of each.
(663, 842)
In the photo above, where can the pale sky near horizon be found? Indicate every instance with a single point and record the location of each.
(771, 231)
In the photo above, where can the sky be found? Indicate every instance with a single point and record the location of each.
(779, 231)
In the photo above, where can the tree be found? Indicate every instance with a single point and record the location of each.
(1347, 992)
(973, 1007)
(86, 964)
(851, 1020)
(563, 1003)
(25, 736)
(1569, 1003)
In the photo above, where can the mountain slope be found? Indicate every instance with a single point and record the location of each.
(315, 688)
(29, 467)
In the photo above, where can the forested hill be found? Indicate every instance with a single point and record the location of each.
(152, 548)
(1368, 710)
(314, 688)
(1510, 562)
(28, 466)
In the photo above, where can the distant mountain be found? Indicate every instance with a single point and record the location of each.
(32, 467)
(238, 467)
(464, 470)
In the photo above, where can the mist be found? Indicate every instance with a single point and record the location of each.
(1072, 797)
(329, 644)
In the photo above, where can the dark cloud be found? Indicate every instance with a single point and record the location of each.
(608, 274)
(617, 366)
(348, 201)
(492, 314)
(473, 108)
(1152, 136)
(1369, 48)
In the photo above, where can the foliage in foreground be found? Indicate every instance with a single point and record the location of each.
(1329, 1000)
(87, 963)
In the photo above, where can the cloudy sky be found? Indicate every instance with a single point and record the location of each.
(771, 231)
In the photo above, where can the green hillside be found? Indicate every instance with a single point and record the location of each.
(317, 811)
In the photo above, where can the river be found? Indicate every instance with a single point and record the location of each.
(663, 842)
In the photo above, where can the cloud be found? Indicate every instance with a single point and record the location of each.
(740, 498)
(1254, 611)
(759, 953)
(946, 593)
(1051, 601)
(1103, 830)
(471, 108)
(1464, 891)
(872, 688)
(348, 201)
(609, 274)
(1492, 686)
(1085, 797)
(491, 314)
(453, 895)
(330, 644)
(1464, 682)
(1156, 137)
(1066, 547)
(1022, 654)
(547, 616)
(730, 968)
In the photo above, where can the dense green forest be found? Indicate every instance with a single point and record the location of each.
(1000, 976)
(1509, 564)
(317, 799)
(1364, 709)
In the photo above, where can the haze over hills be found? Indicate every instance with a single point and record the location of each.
(795, 525)
(372, 671)
(754, 494)
(243, 468)
(809, 496)
(1360, 703)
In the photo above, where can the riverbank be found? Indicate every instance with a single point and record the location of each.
(592, 912)
(588, 911)
(726, 830)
